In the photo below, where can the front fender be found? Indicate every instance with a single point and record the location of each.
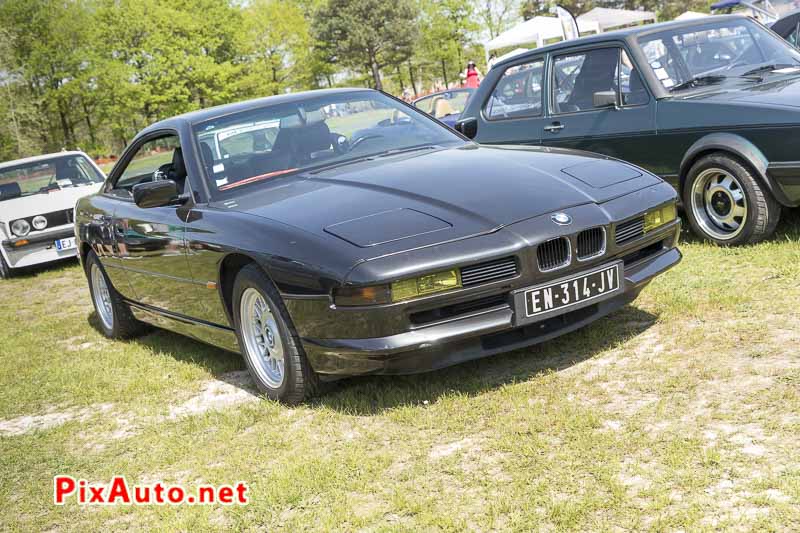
(738, 146)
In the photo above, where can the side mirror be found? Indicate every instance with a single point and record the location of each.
(156, 194)
(605, 99)
(468, 127)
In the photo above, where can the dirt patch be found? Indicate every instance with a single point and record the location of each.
(232, 389)
(50, 419)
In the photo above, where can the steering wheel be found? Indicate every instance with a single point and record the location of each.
(340, 143)
(367, 137)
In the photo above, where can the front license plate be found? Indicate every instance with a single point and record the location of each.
(557, 296)
(65, 244)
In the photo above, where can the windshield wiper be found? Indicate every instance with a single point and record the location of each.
(699, 80)
(414, 148)
(337, 164)
(767, 68)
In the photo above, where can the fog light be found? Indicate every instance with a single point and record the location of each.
(424, 285)
(658, 217)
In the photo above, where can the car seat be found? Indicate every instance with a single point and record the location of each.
(10, 190)
(443, 108)
(596, 74)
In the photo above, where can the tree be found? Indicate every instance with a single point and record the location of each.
(367, 34)
(448, 27)
(496, 15)
(277, 44)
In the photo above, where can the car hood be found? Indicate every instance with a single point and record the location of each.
(39, 204)
(428, 197)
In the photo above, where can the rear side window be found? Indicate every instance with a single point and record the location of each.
(518, 93)
(576, 77)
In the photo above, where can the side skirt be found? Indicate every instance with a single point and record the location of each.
(213, 334)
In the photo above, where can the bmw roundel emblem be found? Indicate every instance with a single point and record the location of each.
(562, 219)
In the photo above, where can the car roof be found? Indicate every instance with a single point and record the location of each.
(622, 34)
(201, 115)
(43, 157)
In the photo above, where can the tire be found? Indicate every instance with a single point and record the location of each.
(268, 340)
(5, 270)
(726, 203)
(114, 316)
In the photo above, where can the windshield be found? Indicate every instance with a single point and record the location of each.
(47, 175)
(444, 104)
(723, 49)
(261, 144)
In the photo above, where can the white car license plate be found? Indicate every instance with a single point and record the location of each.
(558, 296)
(65, 244)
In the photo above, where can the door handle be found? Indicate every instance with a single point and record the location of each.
(554, 127)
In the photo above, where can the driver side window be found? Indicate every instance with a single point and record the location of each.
(156, 159)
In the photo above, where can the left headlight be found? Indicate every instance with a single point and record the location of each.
(399, 291)
(658, 217)
(20, 228)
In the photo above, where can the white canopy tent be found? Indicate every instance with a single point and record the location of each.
(607, 18)
(536, 30)
(539, 30)
(689, 15)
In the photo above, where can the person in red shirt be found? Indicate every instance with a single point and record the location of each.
(472, 76)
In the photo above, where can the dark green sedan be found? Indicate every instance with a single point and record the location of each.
(711, 105)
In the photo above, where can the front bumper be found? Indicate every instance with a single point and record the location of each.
(472, 336)
(38, 248)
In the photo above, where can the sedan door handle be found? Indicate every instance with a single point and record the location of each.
(554, 127)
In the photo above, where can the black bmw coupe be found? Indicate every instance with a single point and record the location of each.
(344, 232)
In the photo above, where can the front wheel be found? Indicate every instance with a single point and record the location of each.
(726, 204)
(268, 340)
(5, 270)
(114, 315)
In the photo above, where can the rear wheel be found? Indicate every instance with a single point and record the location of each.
(5, 270)
(268, 340)
(726, 204)
(114, 315)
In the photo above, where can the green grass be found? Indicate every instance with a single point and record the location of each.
(678, 412)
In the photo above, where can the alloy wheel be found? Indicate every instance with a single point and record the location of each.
(262, 337)
(719, 203)
(102, 297)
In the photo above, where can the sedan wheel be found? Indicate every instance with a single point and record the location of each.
(115, 317)
(262, 337)
(268, 340)
(719, 204)
(726, 203)
(101, 297)
(5, 270)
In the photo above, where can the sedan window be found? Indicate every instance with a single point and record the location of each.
(46, 175)
(264, 143)
(577, 77)
(518, 93)
(444, 104)
(156, 159)
(725, 48)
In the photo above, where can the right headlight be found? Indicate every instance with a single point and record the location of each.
(39, 222)
(658, 217)
(20, 228)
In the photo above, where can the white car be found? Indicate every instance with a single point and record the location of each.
(37, 202)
